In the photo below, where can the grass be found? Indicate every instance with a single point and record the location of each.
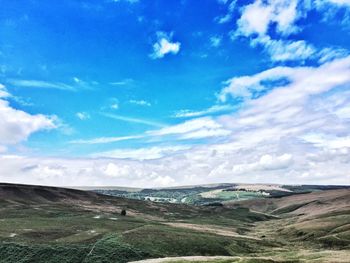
(168, 241)
(106, 249)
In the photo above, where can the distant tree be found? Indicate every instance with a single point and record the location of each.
(123, 212)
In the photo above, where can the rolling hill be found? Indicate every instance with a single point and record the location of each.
(50, 224)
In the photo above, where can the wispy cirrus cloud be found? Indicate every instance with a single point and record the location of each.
(76, 85)
(41, 84)
(123, 82)
(140, 102)
(128, 1)
(228, 16)
(200, 128)
(102, 140)
(133, 120)
(208, 111)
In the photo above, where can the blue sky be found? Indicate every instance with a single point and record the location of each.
(110, 92)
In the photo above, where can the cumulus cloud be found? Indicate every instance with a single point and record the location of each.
(258, 16)
(269, 23)
(73, 172)
(16, 125)
(164, 45)
(257, 20)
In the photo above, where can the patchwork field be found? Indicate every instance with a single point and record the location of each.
(47, 224)
(207, 194)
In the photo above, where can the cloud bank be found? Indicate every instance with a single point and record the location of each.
(297, 132)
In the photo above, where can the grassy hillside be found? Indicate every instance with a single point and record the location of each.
(48, 224)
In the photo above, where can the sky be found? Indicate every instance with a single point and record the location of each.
(146, 93)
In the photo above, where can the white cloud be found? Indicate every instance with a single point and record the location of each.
(328, 141)
(16, 125)
(164, 45)
(150, 153)
(215, 41)
(82, 115)
(245, 86)
(266, 162)
(258, 20)
(228, 16)
(258, 16)
(114, 170)
(297, 132)
(102, 140)
(304, 81)
(128, 1)
(210, 110)
(115, 105)
(140, 102)
(193, 129)
(224, 19)
(329, 54)
(272, 140)
(294, 109)
(339, 2)
(284, 50)
(200, 128)
(41, 84)
(206, 133)
(261, 20)
(133, 120)
(123, 82)
(255, 18)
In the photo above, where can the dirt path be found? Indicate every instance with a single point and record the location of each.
(221, 231)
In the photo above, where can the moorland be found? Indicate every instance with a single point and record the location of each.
(239, 223)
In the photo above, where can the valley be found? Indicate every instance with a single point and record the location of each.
(50, 224)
